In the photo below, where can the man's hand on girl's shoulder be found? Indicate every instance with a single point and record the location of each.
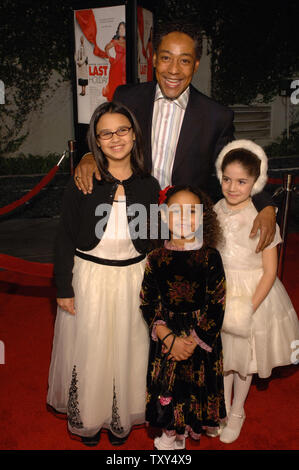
(265, 221)
(84, 172)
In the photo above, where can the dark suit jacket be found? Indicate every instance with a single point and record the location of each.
(207, 127)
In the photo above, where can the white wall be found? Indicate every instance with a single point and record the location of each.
(50, 130)
(202, 81)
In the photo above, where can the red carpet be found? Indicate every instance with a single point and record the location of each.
(27, 319)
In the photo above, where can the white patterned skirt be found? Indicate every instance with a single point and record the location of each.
(99, 358)
(275, 328)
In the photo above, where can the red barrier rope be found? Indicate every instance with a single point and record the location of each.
(280, 180)
(10, 263)
(45, 270)
(19, 265)
(46, 179)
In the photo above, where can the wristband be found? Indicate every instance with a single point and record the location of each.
(168, 334)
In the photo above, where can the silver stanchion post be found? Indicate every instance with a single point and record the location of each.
(72, 151)
(287, 188)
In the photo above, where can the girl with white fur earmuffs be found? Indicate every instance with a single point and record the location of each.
(260, 322)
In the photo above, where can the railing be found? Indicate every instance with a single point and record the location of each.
(288, 188)
(18, 265)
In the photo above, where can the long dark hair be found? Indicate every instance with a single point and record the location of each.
(212, 233)
(137, 160)
(247, 159)
(117, 36)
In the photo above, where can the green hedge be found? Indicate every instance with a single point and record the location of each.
(284, 146)
(32, 164)
(39, 164)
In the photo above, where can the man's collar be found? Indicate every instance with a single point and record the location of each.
(181, 101)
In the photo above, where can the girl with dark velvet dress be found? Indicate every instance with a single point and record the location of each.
(182, 300)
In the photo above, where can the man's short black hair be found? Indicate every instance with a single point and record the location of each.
(192, 30)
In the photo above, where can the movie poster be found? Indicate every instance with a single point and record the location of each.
(145, 44)
(100, 56)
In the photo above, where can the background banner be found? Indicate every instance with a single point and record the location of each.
(145, 45)
(100, 56)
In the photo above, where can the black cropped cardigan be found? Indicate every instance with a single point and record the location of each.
(77, 226)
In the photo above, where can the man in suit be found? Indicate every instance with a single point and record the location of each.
(183, 129)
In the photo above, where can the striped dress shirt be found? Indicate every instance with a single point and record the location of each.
(167, 121)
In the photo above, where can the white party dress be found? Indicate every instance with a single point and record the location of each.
(99, 358)
(275, 323)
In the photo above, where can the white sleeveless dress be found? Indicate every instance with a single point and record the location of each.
(275, 323)
(99, 359)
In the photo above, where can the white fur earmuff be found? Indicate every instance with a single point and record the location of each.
(256, 150)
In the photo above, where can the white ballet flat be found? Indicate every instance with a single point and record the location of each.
(161, 445)
(231, 434)
(177, 444)
(216, 431)
(180, 444)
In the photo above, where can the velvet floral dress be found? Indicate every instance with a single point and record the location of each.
(185, 289)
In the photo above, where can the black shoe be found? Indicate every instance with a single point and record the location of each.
(116, 441)
(91, 441)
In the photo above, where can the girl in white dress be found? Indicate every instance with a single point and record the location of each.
(260, 323)
(100, 349)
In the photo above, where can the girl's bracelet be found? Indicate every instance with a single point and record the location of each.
(168, 334)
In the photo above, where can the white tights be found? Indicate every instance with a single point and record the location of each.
(233, 382)
(169, 442)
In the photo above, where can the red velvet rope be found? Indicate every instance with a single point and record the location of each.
(45, 270)
(10, 263)
(280, 180)
(10, 207)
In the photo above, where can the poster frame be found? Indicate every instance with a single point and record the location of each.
(80, 129)
(145, 4)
